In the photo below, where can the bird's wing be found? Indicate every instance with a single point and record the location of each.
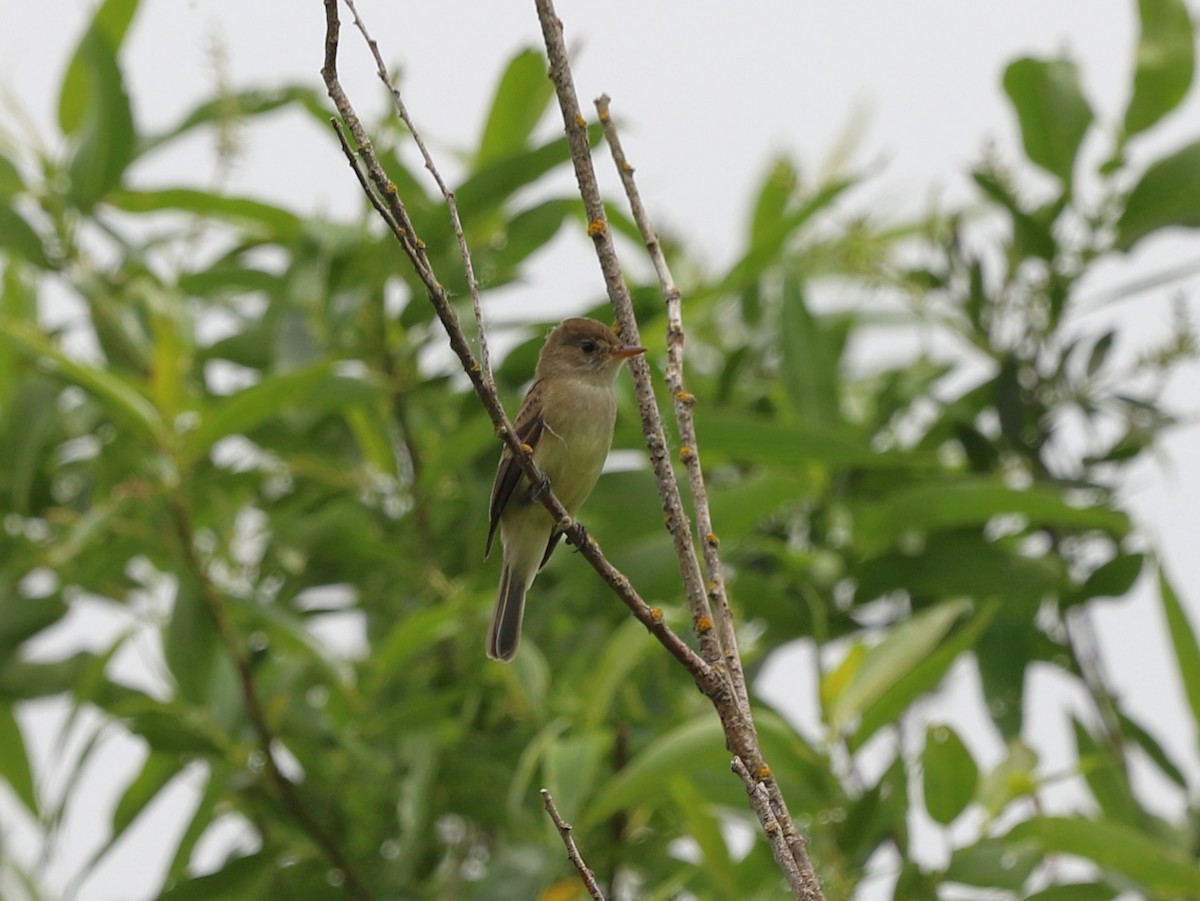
(528, 426)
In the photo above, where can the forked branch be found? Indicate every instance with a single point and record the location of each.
(717, 669)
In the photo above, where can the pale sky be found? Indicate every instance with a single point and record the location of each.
(706, 93)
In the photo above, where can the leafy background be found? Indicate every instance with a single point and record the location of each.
(214, 402)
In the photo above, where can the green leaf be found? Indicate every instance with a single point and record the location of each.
(884, 665)
(257, 218)
(241, 878)
(11, 181)
(622, 652)
(111, 21)
(1166, 57)
(922, 679)
(810, 373)
(22, 617)
(14, 761)
(18, 238)
(949, 774)
(701, 823)
(1106, 778)
(240, 104)
(573, 763)
(191, 646)
(1076, 891)
(1053, 113)
(1167, 194)
(993, 864)
(932, 506)
(495, 183)
(1184, 643)
(156, 773)
(33, 420)
(1113, 579)
(520, 101)
(1153, 749)
(317, 389)
(726, 434)
(105, 141)
(696, 745)
(1116, 848)
(118, 396)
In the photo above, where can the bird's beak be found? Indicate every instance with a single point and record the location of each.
(629, 350)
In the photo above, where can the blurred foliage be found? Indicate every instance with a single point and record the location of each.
(210, 404)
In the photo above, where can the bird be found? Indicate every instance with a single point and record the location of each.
(567, 418)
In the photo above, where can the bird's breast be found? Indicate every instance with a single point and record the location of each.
(578, 427)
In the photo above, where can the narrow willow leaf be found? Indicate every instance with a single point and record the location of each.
(884, 665)
(520, 101)
(1159, 868)
(14, 761)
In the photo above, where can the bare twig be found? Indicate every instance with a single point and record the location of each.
(283, 787)
(684, 402)
(805, 886)
(676, 517)
(447, 194)
(384, 197)
(711, 669)
(564, 831)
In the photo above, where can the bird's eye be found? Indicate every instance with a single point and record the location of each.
(588, 346)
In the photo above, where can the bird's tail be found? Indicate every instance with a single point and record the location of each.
(504, 634)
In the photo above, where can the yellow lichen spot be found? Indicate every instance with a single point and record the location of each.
(391, 187)
(580, 121)
(528, 448)
(712, 587)
(596, 227)
(625, 167)
(684, 398)
(703, 624)
(686, 453)
(712, 539)
(764, 772)
(656, 614)
(475, 367)
(421, 245)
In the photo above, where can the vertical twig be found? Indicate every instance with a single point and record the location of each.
(684, 402)
(564, 832)
(677, 519)
(447, 194)
(381, 192)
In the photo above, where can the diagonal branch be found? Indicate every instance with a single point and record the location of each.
(676, 517)
(684, 403)
(586, 876)
(383, 196)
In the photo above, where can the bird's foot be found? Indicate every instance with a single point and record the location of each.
(538, 491)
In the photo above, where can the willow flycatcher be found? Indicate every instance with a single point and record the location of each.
(567, 418)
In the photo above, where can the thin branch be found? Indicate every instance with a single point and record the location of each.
(564, 831)
(802, 885)
(684, 402)
(383, 195)
(447, 194)
(284, 788)
(676, 518)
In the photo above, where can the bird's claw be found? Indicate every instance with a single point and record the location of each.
(584, 538)
(538, 491)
